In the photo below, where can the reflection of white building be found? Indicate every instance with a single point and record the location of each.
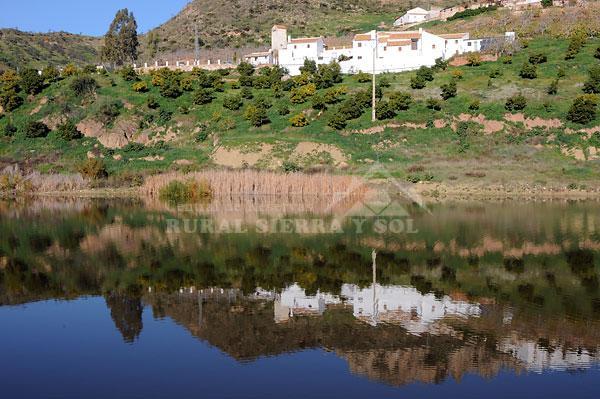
(390, 51)
(404, 305)
(294, 301)
(537, 358)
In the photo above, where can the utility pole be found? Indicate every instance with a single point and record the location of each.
(373, 102)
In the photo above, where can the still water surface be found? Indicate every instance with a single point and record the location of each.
(106, 299)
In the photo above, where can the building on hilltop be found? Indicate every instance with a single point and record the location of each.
(417, 15)
(373, 51)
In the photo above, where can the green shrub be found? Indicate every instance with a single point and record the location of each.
(578, 38)
(400, 101)
(93, 169)
(337, 120)
(448, 90)
(9, 129)
(425, 73)
(597, 53)
(31, 81)
(583, 109)
(152, 102)
(299, 95)
(473, 59)
(68, 131)
(164, 116)
(202, 96)
(140, 87)
(187, 83)
(538, 58)
(434, 104)
(363, 77)
(283, 109)
(474, 105)
(246, 93)
(185, 192)
(171, 87)
(83, 85)
(133, 147)
(299, 120)
(592, 85)
(553, 87)
(257, 116)
(528, 71)
(10, 100)
(69, 70)
(109, 111)
(262, 102)
(334, 94)
(517, 102)
(290, 167)
(128, 73)
(440, 64)
(507, 59)
(384, 110)
(34, 129)
(318, 102)
(417, 83)
(232, 102)
(50, 74)
(470, 12)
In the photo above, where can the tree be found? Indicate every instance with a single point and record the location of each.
(448, 90)
(50, 74)
(583, 109)
(232, 102)
(153, 40)
(202, 96)
(299, 120)
(83, 86)
(31, 81)
(121, 40)
(516, 103)
(36, 129)
(257, 116)
(384, 110)
(10, 100)
(400, 101)
(309, 67)
(528, 71)
(592, 85)
(68, 131)
(546, 3)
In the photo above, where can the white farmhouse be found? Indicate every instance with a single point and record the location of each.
(413, 16)
(372, 51)
(260, 58)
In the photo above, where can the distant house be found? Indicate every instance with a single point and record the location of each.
(259, 58)
(522, 4)
(413, 16)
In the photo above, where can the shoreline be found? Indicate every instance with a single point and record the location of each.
(429, 192)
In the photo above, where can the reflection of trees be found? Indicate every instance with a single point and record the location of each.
(126, 312)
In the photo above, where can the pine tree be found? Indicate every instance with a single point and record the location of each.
(121, 40)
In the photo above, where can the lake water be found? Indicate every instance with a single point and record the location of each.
(261, 298)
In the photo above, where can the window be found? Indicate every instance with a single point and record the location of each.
(308, 46)
(295, 47)
(469, 44)
(360, 57)
(413, 44)
(456, 42)
(446, 42)
(384, 48)
(433, 46)
(359, 44)
(399, 48)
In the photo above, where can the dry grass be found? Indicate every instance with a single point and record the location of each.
(251, 182)
(14, 181)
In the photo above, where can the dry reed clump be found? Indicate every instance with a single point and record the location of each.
(251, 182)
(14, 181)
(191, 190)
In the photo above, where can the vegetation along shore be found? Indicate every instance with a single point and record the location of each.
(521, 120)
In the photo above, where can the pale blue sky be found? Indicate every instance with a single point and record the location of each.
(91, 17)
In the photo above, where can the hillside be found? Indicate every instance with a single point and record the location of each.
(18, 49)
(482, 135)
(239, 23)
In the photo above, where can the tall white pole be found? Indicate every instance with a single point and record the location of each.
(373, 102)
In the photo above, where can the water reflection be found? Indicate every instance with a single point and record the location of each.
(476, 290)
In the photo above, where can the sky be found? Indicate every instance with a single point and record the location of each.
(90, 17)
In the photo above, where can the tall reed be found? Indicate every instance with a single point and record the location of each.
(253, 182)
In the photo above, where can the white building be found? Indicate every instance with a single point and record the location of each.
(404, 305)
(260, 58)
(390, 51)
(414, 16)
(294, 301)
